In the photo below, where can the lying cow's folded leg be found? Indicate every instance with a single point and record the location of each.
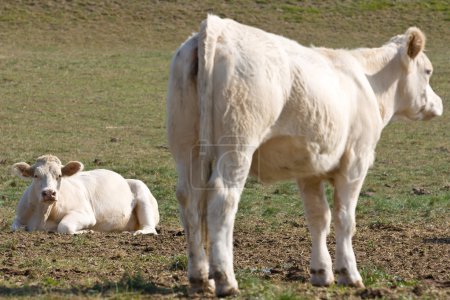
(146, 207)
(23, 214)
(75, 223)
(84, 231)
(318, 217)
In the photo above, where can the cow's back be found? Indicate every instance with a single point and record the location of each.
(294, 103)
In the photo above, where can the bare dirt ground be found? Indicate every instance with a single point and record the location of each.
(416, 254)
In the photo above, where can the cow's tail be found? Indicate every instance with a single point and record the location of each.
(209, 33)
(210, 30)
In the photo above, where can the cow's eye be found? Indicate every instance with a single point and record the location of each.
(428, 71)
(35, 176)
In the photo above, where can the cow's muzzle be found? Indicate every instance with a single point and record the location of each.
(48, 196)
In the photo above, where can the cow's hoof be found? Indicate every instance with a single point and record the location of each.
(347, 279)
(321, 277)
(199, 286)
(224, 291)
(86, 231)
(145, 231)
(225, 285)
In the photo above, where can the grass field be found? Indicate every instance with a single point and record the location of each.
(86, 80)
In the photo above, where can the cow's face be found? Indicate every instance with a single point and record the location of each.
(47, 174)
(416, 98)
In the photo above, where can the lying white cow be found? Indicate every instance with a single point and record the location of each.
(241, 100)
(63, 199)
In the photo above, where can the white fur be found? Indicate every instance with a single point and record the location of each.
(98, 200)
(241, 100)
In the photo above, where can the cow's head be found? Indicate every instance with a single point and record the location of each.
(46, 174)
(415, 98)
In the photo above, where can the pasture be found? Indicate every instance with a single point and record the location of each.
(86, 80)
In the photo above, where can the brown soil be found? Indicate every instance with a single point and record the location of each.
(102, 263)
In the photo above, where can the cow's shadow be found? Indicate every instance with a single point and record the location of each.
(445, 240)
(128, 284)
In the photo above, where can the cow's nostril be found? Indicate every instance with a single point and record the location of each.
(48, 193)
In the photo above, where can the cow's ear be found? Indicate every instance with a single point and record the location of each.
(71, 168)
(415, 42)
(23, 170)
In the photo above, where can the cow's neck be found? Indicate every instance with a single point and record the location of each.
(382, 67)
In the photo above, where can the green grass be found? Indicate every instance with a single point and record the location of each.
(377, 277)
(257, 288)
(179, 262)
(86, 80)
(127, 284)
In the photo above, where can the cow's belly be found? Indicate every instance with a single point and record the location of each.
(113, 203)
(117, 221)
(288, 157)
(117, 217)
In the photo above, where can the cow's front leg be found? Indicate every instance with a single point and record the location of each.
(76, 223)
(318, 217)
(17, 225)
(345, 199)
(24, 212)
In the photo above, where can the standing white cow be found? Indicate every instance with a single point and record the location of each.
(241, 100)
(63, 199)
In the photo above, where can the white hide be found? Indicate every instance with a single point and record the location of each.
(241, 101)
(74, 202)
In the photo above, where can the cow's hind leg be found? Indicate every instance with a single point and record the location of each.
(183, 117)
(225, 188)
(345, 199)
(190, 194)
(318, 217)
(146, 207)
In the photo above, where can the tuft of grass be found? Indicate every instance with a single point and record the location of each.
(255, 284)
(374, 276)
(179, 262)
(128, 284)
(50, 282)
(373, 5)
